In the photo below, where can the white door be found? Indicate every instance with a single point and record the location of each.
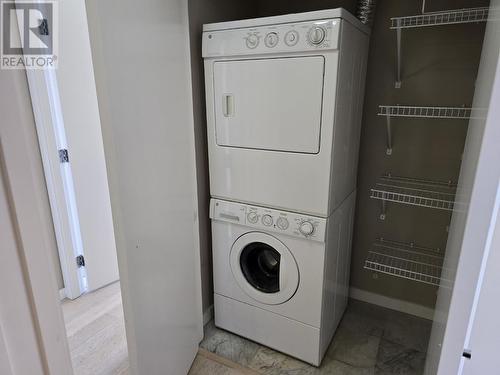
(142, 68)
(269, 104)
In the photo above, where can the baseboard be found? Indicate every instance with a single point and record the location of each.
(62, 294)
(208, 314)
(392, 303)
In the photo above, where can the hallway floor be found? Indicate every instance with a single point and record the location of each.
(370, 340)
(96, 332)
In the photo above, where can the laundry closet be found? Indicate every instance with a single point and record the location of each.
(418, 107)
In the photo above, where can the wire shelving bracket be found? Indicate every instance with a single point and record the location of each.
(450, 17)
(389, 111)
(414, 192)
(405, 260)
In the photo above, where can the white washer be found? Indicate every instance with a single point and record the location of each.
(281, 278)
(284, 107)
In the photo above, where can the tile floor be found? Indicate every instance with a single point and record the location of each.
(369, 340)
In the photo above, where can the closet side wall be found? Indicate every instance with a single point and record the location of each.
(200, 12)
(439, 68)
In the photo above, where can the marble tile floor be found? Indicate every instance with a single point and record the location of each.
(370, 340)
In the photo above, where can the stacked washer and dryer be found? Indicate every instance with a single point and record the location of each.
(284, 107)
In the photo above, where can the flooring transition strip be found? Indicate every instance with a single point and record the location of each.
(226, 362)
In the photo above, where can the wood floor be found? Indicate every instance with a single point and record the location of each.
(97, 342)
(96, 332)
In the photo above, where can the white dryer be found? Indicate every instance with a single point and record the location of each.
(281, 278)
(284, 106)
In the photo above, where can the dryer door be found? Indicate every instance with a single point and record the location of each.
(264, 268)
(269, 104)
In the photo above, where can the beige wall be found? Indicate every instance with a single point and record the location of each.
(200, 12)
(439, 68)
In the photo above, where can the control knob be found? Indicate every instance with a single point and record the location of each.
(267, 220)
(316, 35)
(271, 40)
(291, 38)
(282, 223)
(306, 228)
(252, 41)
(252, 217)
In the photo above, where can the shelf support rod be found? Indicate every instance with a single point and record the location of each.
(389, 134)
(384, 208)
(398, 41)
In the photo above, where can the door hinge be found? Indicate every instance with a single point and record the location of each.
(467, 354)
(63, 156)
(80, 261)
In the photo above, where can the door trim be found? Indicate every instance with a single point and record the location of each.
(26, 192)
(59, 184)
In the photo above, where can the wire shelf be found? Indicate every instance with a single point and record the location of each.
(415, 192)
(433, 19)
(404, 260)
(425, 112)
(441, 18)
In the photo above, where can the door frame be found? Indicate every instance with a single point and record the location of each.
(22, 169)
(51, 138)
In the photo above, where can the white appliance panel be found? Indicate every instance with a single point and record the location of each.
(276, 331)
(271, 39)
(269, 104)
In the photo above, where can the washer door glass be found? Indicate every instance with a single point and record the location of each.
(260, 264)
(264, 268)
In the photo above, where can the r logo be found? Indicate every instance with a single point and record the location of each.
(28, 29)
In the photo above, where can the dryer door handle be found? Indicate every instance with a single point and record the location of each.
(228, 105)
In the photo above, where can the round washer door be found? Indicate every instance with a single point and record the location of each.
(264, 268)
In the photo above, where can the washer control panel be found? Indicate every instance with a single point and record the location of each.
(293, 224)
(282, 38)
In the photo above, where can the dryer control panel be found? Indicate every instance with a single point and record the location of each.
(284, 222)
(282, 38)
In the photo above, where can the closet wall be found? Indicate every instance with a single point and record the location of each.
(439, 68)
